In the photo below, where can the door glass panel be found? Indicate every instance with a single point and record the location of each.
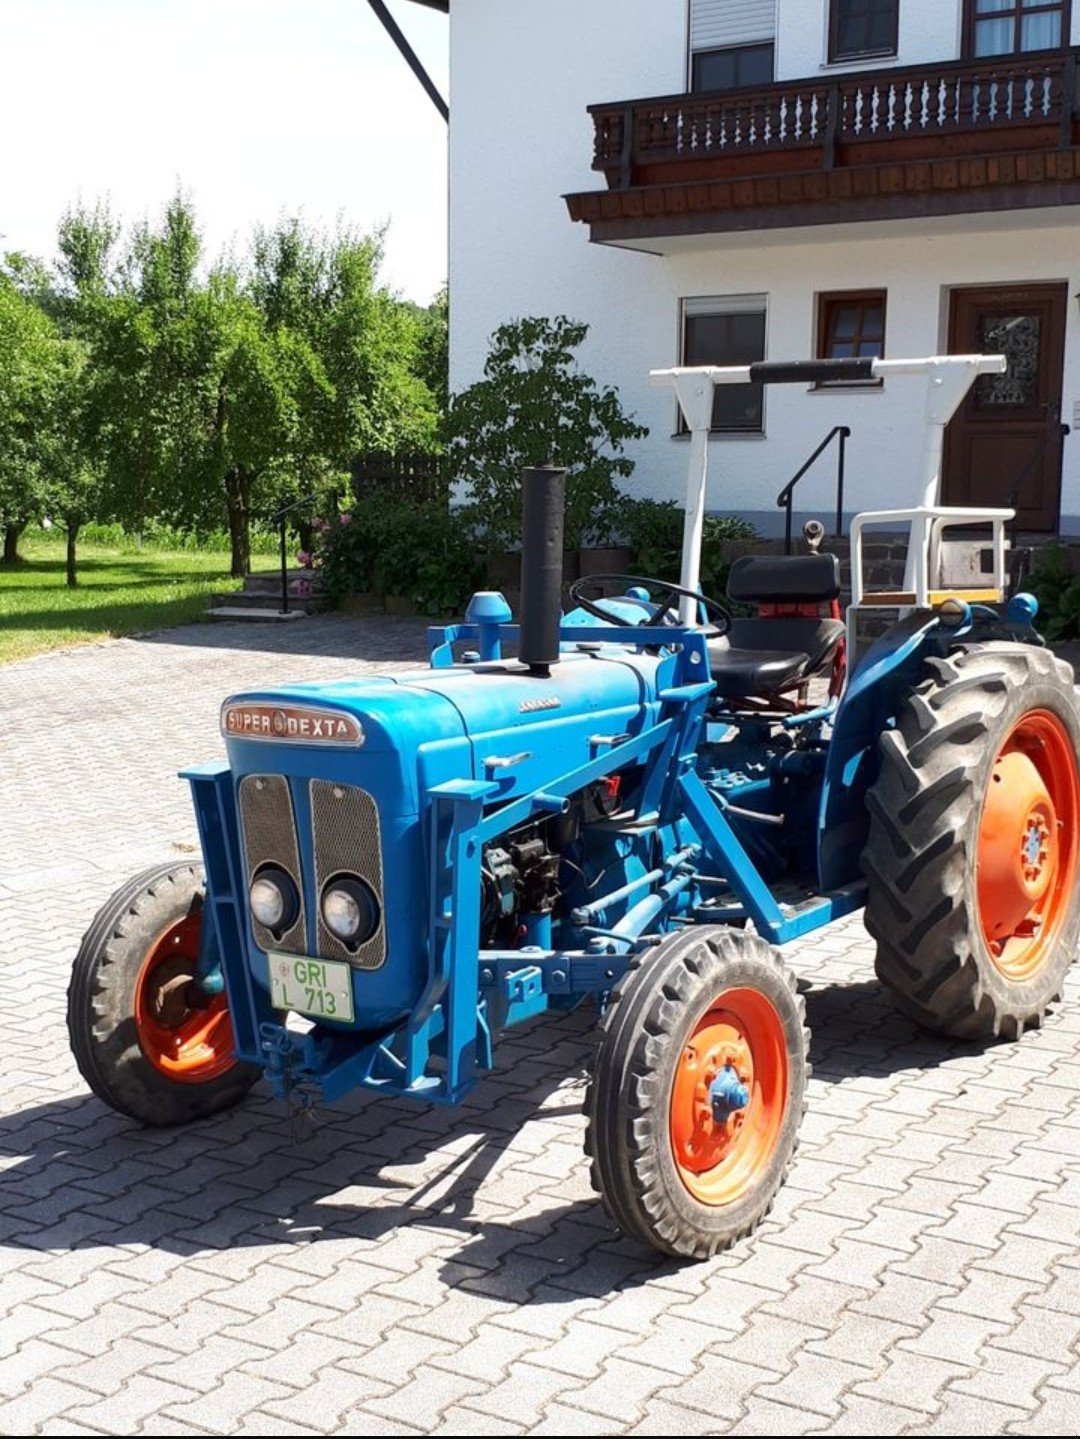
(1018, 337)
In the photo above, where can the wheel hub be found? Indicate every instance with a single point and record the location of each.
(184, 1033)
(172, 993)
(729, 1096)
(1026, 856)
(1017, 845)
(715, 1085)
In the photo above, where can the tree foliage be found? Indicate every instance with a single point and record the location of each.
(536, 404)
(28, 361)
(140, 382)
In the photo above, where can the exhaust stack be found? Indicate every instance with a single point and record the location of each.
(543, 496)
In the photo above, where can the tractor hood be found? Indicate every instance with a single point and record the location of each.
(492, 721)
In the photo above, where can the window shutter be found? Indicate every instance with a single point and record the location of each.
(716, 23)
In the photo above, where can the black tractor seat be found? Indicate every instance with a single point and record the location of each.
(768, 654)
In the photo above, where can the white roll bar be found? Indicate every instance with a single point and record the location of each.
(948, 379)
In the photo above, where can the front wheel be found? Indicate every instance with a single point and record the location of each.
(146, 1038)
(697, 1091)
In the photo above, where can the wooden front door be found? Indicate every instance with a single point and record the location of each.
(1005, 440)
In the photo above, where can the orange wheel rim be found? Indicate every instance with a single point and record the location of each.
(1027, 847)
(188, 1044)
(720, 1153)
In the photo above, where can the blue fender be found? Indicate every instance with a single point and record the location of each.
(890, 667)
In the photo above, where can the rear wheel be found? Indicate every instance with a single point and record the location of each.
(147, 1039)
(972, 858)
(697, 1091)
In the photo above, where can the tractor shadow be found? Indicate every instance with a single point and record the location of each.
(495, 1188)
(369, 637)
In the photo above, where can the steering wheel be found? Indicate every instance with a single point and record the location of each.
(671, 594)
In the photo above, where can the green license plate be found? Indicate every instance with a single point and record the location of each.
(319, 988)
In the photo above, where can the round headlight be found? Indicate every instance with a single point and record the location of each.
(350, 910)
(274, 901)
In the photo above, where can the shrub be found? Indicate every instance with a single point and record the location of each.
(535, 404)
(1057, 588)
(427, 555)
(653, 530)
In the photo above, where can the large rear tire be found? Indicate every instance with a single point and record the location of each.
(145, 1038)
(682, 1165)
(971, 860)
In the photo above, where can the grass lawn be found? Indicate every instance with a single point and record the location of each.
(121, 591)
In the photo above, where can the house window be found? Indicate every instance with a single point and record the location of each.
(733, 67)
(1008, 27)
(851, 325)
(728, 330)
(859, 29)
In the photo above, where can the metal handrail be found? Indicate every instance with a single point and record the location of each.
(784, 498)
(1055, 431)
(279, 517)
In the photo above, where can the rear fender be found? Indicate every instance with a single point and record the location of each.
(888, 669)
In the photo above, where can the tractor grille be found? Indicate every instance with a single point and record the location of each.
(269, 830)
(345, 823)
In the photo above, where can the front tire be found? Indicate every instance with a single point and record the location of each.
(145, 1039)
(971, 860)
(681, 1166)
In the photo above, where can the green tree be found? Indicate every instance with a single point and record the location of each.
(247, 389)
(433, 359)
(536, 404)
(128, 393)
(72, 483)
(222, 392)
(356, 355)
(27, 362)
(192, 400)
(325, 289)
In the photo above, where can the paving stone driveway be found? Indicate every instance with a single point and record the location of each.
(406, 1270)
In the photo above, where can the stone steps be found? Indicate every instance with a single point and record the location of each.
(244, 614)
(260, 599)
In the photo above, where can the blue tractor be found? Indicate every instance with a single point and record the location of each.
(646, 801)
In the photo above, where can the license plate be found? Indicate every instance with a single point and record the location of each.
(319, 988)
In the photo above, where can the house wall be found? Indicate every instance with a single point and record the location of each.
(917, 264)
(929, 30)
(520, 139)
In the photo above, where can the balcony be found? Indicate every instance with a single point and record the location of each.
(923, 140)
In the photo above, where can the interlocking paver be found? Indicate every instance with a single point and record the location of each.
(961, 1414)
(406, 1270)
(913, 1381)
(765, 1416)
(457, 1420)
(525, 1393)
(324, 1403)
(1056, 1414)
(424, 1400)
(46, 1398)
(222, 1408)
(1008, 1378)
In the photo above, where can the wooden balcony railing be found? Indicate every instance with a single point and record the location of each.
(925, 111)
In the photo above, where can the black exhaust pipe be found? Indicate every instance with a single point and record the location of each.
(543, 497)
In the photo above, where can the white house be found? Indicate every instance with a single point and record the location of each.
(725, 180)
